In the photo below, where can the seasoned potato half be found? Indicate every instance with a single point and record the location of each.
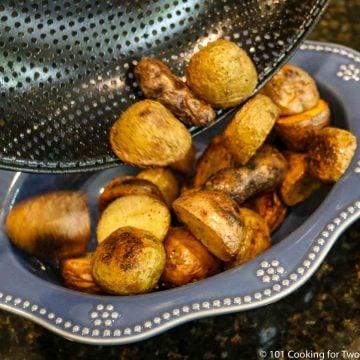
(51, 226)
(215, 157)
(187, 259)
(129, 261)
(293, 90)
(256, 240)
(270, 207)
(127, 185)
(139, 211)
(77, 274)
(330, 153)
(147, 134)
(165, 180)
(297, 131)
(298, 183)
(222, 74)
(249, 128)
(185, 165)
(212, 217)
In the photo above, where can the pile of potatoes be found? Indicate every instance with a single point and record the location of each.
(156, 231)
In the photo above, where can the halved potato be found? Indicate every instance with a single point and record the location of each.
(187, 260)
(185, 165)
(249, 128)
(213, 218)
(148, 134)
(330, 153)
(297, 131)
(165, 180)
(298, 183)
(139, 211)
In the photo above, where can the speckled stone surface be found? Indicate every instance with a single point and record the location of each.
(323, 315)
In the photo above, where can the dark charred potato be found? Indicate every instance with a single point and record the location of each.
(264, 172)
(187, 260)
(293, 90)
(330, 154)
(157, 82)
(51, 226)
(185, 165)
(129, 261)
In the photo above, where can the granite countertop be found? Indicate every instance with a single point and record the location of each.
(322, 315)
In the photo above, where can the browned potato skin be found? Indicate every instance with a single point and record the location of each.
(165, 180)
(213, 219)
(293, 90)
(187, 260)
(148, 135)
(330, 154)
(297, 131)
(157, 82)
(51, 226)
(215, 157)
(250, 127)
(256, 240)
(185, 165)
(298, 183)
(270, 207)
(77, 274)
(264, 172)
(222, 74)
(129, 261)
(127, 185)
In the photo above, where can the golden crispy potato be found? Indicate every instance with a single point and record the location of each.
(77, 274)
(264, 172)
(330, 153)
(215, 157)
(185, 165)
(147, 134)
(270, 207)
(298, 183)
(157, 82)
(212, 217)
(187, 260)
(51, 226)
(139, 211)
(222, 74)
(165, 180)
(127, 185)
(129, 261)
(293, 90)
(296, 131)
(256, 240)
(249, 128)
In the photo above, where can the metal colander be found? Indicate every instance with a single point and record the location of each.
(66, 65)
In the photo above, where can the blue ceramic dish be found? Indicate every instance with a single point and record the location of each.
(33, 290)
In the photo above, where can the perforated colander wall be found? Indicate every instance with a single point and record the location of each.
(66, 66)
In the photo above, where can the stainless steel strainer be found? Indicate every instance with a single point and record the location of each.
(66, 65)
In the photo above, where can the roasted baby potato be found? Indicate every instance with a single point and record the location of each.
(148, 134)
(222, 74)
(185, 165)
(77, 274)
(256, 240)
(215, 157)
(187, 260)
(129, 261)
(330, 153)
(298, 183)
(270, 207)
(213, 218)
(297, 131)
(139, 211)
(293, 90)
(157, 82)
(127, 185)
(264, 172)
(51, 226)
(165, 180)
(249, 128)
